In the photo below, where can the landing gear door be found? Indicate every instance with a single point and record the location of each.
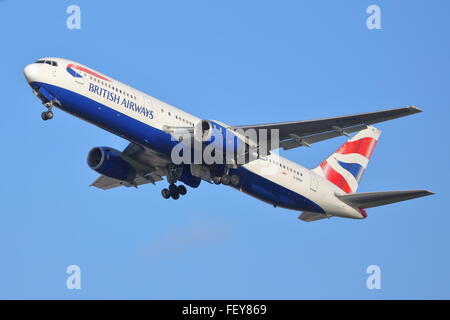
(313, 182)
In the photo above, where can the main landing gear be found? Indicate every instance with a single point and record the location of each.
(174, 191)
(226, 179)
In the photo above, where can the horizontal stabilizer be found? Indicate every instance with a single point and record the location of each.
(312, 216)
(375, 199)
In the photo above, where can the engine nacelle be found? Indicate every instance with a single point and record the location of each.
(109, 162)
(188, 178)
(215, 134)
(203, 131)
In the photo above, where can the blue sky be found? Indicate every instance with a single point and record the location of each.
(240, 62)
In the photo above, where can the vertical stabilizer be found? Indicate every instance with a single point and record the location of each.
(345, 167)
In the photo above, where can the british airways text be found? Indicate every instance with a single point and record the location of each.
(126, 103)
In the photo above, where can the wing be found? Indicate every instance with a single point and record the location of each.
(143, 159)
(304, 133)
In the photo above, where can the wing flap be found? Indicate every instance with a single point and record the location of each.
(375, 199)
(297, 141)
(105, 183)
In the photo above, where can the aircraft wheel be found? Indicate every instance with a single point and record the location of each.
(225, 179)
(234, 179)
(173, 190)
(165, 193)
(175, 196)
(182, 190)
(47, 115)
(216, 180)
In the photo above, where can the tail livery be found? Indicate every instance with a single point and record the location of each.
(345, 167)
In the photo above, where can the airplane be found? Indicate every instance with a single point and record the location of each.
(154, 129)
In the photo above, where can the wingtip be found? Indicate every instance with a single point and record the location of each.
(424, 193)
(414, 109)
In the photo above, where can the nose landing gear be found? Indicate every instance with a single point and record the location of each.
(174, 191)
(48, 100)
(47, 115)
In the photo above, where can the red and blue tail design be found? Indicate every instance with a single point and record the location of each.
(345, 167)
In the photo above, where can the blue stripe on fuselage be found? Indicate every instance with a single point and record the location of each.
(111, 120)
(273, 193)
(141, 133)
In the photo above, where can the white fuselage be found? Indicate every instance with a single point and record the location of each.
(128, 103)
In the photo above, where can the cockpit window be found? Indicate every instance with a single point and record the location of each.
(49, 62)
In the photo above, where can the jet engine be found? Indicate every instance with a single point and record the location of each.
(203, 131)
(109, 162)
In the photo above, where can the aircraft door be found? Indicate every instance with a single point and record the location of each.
(313, 181)
(148, 102)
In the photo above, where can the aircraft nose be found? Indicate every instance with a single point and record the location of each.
(31, 72)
